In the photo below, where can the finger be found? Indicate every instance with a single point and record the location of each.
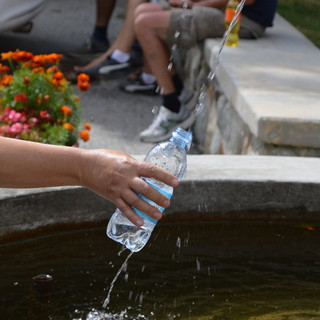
(150, 170)
(129, 213)
(133, 200)
(142, 187)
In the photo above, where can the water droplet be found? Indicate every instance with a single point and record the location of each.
(198, 265)
(178, 243)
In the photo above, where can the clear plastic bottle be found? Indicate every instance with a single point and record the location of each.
(170, 155)
(233, 38)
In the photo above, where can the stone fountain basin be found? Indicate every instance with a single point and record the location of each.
(215, 187)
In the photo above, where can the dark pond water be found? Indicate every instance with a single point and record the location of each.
(187, 271)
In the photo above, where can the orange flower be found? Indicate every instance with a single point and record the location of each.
(52, 69)
(82, 77)
(53, 58)
(84, 135)
(67, 111)
(68, 126)
(58, 75)
(4, 69)
(76, 99)
(87, 126)
(38, 70)
(22, 56)
(7, 55)
(55, 82)
(6, 79)
(83, 86)
(83, 81)
(39, 60)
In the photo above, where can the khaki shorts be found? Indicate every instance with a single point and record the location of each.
(187, 27)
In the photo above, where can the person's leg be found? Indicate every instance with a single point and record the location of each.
(151, 27)
(103, 12)
(99, 41)
(123, 42)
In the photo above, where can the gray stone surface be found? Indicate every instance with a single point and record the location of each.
(273, 84)
(214, 188)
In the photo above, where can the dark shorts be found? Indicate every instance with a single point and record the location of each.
(189, 26)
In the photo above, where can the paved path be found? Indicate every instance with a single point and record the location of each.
(117, 117)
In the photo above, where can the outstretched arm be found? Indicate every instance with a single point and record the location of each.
(113, 175)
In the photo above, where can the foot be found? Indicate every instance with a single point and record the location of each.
(94, 45)
(93, 66)
(135, 84)
(111, 66)
(166, 121)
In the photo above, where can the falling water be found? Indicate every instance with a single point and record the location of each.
(124, 265)
(199, 107)
(202, 95)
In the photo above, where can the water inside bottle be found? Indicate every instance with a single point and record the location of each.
(131, 236)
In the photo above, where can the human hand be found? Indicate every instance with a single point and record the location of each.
(116, 176)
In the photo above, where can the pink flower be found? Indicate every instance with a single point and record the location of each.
(16, 128)
(33, 121)
(16, 116)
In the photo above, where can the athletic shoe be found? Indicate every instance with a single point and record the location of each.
(138, 86)
(165, 122)
(110, 65)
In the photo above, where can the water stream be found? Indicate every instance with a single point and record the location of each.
(124, 265)
(202, 95)
(198, 108)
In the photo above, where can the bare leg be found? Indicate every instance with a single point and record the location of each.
(151, 27)
(123, 42)
(103, 12)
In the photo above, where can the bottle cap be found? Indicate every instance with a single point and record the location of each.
(184, 137)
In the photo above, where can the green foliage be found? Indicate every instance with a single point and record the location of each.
(36, 102)
(304, 15)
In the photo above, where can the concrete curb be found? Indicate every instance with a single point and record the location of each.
(215, 188)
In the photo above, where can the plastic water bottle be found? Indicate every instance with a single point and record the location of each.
(170, 155)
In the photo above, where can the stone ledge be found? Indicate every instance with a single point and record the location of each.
(214, 188)
(273, 84)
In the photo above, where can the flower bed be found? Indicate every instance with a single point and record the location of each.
(37, 103)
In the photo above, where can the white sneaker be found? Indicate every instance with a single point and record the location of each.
(165, 122)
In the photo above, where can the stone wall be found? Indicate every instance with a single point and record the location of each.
(272, 110)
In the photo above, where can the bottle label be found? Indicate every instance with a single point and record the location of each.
(229, 15)
(143, 215)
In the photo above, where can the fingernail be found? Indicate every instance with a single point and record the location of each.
(166, 203)
(139, 222)
(175, 182)
(157, 215)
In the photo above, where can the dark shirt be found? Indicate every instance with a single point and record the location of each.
(261, 11)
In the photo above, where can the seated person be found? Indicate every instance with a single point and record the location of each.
(156, 26)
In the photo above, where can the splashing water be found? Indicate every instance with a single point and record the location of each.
(123, 267)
